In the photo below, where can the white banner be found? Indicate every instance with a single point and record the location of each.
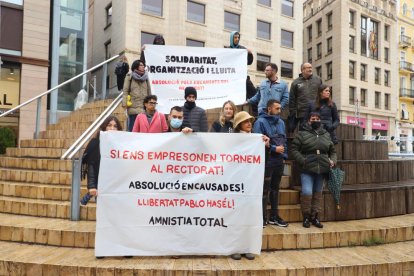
(218, 74)
(177, 194)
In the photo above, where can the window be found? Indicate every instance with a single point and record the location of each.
(329, 71)
(108, 49)
(319, 71)
(152, 7)
(231, 21)
(286, 69)
(363, 97)
(147, 38)
(386, 32)
(377, 99)
(352, 44)
(287, 8)
(351, 95)
(387, 55)
(11, 32)
(194, 43)
(108, 11)
(287, 39)
(351, 19)
(265, 2)
(352, 69)
(309, 33)
(310, 55)
(363, 72)
(262, 60)
(386, 78)
(329, 45)
(196, 12)
(263, 29)
(373, 40)
(319, 27)
(377, 75)
(329, 21)
(404, 7)
(387, 101)
(363, 36)
(319, 51)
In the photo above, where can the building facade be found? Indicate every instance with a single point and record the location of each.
(405, 116)
(351, 45)
(272, 29)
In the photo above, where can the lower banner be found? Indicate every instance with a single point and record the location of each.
(179, 194)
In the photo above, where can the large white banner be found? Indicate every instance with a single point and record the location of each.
(218, 74)
(177, 194)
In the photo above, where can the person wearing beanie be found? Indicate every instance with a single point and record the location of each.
(194, 117)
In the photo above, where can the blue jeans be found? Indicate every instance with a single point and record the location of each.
(311, 183)
(131, 121)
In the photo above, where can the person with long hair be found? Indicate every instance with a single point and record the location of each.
(225, 121)
(327, 109)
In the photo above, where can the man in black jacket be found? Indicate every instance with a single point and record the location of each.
(194, 117)
(302, 91)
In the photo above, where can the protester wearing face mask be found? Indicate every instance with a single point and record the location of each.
(175, 120)
(314, 151)
(194, 116)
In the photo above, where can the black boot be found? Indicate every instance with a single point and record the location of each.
(306, 221)
(315, 221)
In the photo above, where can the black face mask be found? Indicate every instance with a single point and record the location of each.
(315, 124)
(189, 105)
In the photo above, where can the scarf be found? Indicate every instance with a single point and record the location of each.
(189, 105)
(138, 77)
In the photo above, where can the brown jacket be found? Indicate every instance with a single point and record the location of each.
(138, 91)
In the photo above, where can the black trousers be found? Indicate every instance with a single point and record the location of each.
(273, 176)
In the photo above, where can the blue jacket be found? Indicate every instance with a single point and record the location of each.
(278, 91)
(274, 128)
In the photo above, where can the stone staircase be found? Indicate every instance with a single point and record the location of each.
(37, 237)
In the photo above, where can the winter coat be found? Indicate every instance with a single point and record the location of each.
(158, 123)
(238, 46)
(312, 149)
(329, 115)
(274, 128)
(195, 118)
(92, 158)
(226, 128)
(278, 91)
(302, 91)
(138, 91)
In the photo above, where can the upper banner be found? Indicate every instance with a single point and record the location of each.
(218, 74)
(179, 194)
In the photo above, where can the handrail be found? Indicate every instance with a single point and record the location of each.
(77, 145)
(58, 86)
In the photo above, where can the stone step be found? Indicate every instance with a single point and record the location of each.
(43, 208)
(36, 152)
(388, 259)
(60, 232)
(61, 134)
(47, 143)
(69, 125)
(36, 176)
(36, 164)
(37, 191)
(90, 117)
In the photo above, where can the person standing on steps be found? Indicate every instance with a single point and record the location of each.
(121, 70)
(313, 150)
(194, 117)
(225, 123)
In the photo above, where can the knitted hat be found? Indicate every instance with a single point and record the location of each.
(189, 90)
(241, 117)
(315, 114)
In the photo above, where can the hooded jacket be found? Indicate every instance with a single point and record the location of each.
(312, 149)
(238, 46)
(302, 91)
(274, 128)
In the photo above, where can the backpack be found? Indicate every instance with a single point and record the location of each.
(118, 69)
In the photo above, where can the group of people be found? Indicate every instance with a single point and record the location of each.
(313, 116)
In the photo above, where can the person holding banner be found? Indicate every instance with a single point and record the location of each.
(271, 88)
(150, 121)
(272, 126)
(225, 122)
(136, 87)
(314, 151)
(194, 117)
(175, 119)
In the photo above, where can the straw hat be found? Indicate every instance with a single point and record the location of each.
(240, 117)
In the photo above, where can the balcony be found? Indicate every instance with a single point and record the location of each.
(406, 93)
(405, 41)
(406, 66)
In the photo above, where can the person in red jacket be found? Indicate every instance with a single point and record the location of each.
(150, 121)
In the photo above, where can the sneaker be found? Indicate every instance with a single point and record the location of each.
(276, 220)
(236, 256)
(249, 256)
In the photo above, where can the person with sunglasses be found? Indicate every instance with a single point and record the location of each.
(150, 121)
